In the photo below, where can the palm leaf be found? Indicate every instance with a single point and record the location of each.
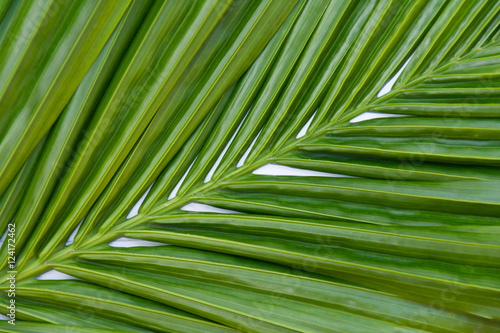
(169, 103)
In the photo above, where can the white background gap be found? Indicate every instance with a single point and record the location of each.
(173, 194)
(245, 155)
(304, 129)
(283, 170)
(135, 210)
(198, 207)
(71, 238)
(374, 115)
(4, 236)
(55, 275)
(221, 156)
(133, 242)
(390, 84)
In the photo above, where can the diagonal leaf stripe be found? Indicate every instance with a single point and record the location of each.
(33, 105)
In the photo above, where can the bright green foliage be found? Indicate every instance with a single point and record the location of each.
(105, 101)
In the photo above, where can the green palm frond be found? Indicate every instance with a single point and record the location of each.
(107, 103)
